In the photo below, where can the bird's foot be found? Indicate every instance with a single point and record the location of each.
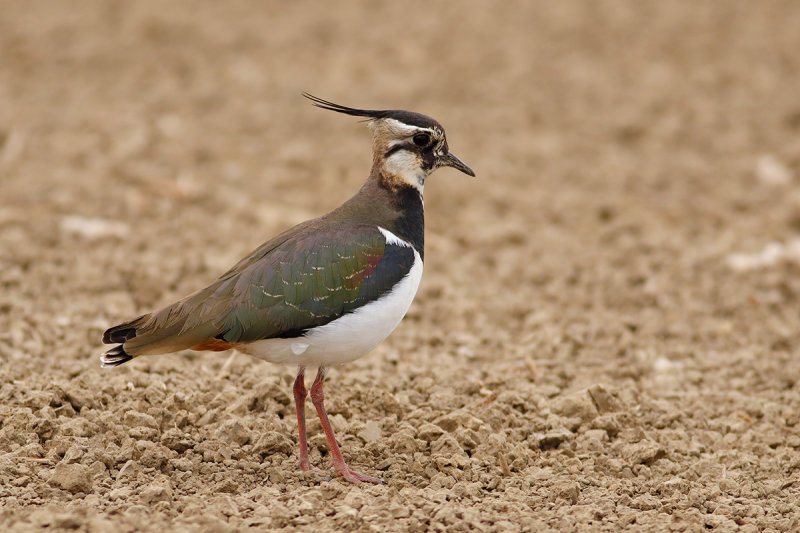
(355, 477)
(306, 467)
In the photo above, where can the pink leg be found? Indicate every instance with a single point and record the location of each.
(318, 398)
(300, 394)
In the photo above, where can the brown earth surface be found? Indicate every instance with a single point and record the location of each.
(606, 335)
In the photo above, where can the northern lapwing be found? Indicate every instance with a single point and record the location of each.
(326, 291)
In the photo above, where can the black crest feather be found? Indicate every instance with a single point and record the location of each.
(324, 104)
(406, 117)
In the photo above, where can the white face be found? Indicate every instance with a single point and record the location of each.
(405, 160)
(408, 167)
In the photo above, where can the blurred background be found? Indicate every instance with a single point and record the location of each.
(634, 226)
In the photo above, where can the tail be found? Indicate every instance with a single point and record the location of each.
(180, 326)
(121, 333)
(115, 357)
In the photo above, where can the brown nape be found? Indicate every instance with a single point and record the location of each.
(382, 137)
(214, 345)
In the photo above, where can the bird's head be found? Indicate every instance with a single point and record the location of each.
(407, 146)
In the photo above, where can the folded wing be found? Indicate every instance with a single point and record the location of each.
(304, 282)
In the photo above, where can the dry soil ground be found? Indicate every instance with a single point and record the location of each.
(606, 336)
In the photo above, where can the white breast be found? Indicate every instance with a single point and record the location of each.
(353, 335)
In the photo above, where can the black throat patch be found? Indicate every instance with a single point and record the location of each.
(410, 225)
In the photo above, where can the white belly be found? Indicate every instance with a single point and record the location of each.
(349, 337)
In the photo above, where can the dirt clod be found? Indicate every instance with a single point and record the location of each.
(156, 493)
(73, 478)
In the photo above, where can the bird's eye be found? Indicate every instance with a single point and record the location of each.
(422, 139)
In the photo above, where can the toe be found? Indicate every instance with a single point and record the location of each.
(314, 471)
(356, 477)
(370, 479)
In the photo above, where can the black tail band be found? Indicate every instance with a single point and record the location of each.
(115, 357)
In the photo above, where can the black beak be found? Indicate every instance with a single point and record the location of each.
(450, 160)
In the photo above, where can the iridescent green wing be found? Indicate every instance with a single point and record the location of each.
(310, 280)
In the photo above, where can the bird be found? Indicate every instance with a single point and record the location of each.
(325, 292)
